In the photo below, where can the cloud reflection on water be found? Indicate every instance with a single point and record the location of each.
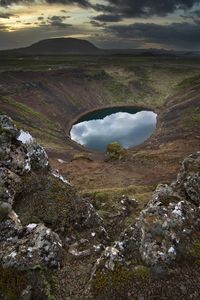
(128, 129)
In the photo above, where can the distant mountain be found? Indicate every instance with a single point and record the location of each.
(65, 46)
(59, 46)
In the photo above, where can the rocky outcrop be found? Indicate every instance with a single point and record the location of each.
(166, 225)
(29, 190)
(22, 247)
(164, 230)
(19, 151)
(172, 216)
(30, 247)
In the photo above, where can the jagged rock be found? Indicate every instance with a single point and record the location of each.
(109, 257)
(7, 127)
(188, 180)
(171, 214)
(191, 164)
(74, 250)
(30, 247)
(87, 216)
(127, 205)
(8, 131)
(5, 209)
(9, 184)
(164, 228)
(26, 293)
(38, 156)
(19, 151)
(113, 254)
(21, 247)
(56, 174)
(42, 194)
(192, 188)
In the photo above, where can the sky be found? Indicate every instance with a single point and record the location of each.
(162, 24)
(127, 129)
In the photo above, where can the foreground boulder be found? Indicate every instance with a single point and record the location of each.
(39, 211)
(22, 247)
(171, 218)
(30, 247)
(166, 232)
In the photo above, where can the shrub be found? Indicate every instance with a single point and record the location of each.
(115, 151)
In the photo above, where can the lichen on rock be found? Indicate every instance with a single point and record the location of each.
(164, 230)
(29, 247)
(35, 201)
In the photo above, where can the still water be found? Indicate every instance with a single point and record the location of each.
(130, 127)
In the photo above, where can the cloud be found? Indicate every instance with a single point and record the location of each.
(58, 21)
(96, 23)
(84, 3)
(5, 15)
(193, 16)
(101, 28)
(108, 18)
(144, 8)
(3, 28)
(179, 35)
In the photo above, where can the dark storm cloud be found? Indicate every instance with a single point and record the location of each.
(96, 23)
(57, 18)
(181, 35)
(3, 28)
(139, 8)
(58, 21)
(194, 16)
(108, 18)
(84, 3)
(5, 15)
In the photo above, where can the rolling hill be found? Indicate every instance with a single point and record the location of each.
(58, 46)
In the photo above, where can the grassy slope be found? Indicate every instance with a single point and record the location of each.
(44, 94)
(52, 98)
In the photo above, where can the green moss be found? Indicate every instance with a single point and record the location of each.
(47, 199)
(141, 272)
(45, 130)
(47, 283)
(78, 156)
(196, 115)
(194, 252)
(12, 283)
(192, 118)
(189, 81)
(115, 284)
(102, 196)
